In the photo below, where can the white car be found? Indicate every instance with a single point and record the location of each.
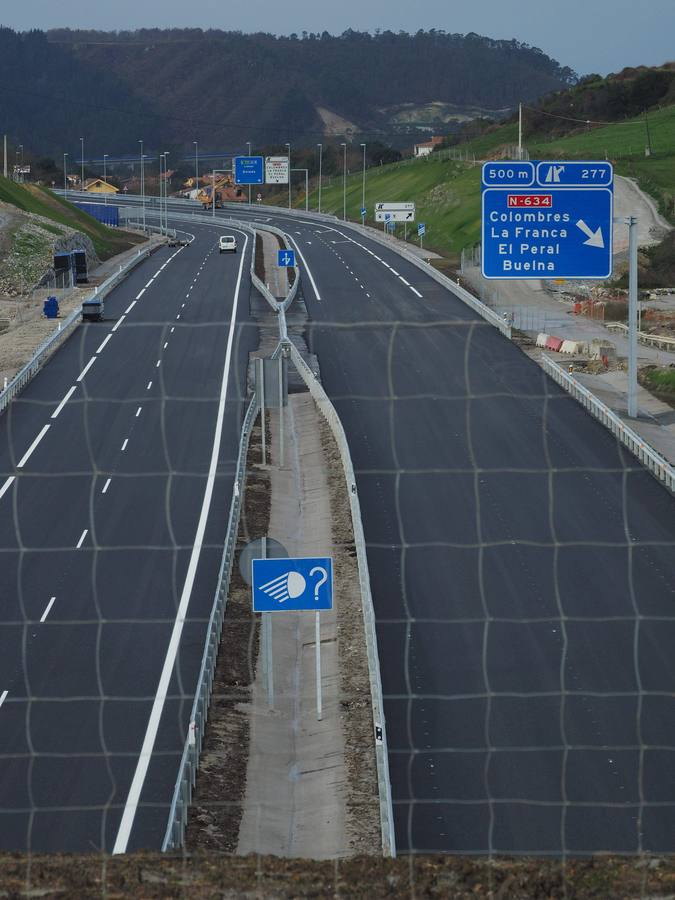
(227, 242)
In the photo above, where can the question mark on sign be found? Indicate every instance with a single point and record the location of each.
(322, 580)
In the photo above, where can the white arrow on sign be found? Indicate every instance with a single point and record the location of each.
(595, 238)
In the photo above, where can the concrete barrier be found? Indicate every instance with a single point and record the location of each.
(554, 343)
(541, 339)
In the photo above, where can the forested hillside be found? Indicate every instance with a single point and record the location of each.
(225, 88)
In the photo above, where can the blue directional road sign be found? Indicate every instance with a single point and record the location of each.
(547, 219)
(421, 229)
(292, 585)
(286, 258)
(363, 212)
(248, 170)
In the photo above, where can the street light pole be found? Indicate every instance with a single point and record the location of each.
(363, 189)
(166, 192)
(248, 144)
(344, 181)
(65, 176)
(105, 178)
(320, 146)
(196, 167)
(82, 161)
(143, 182)
(306, 171)
(289, 176)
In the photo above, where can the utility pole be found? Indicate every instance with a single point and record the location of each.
(82, 162)
(105, 177)
(196, 166)
(320, 146)
(649, 139)
(4, 166)
(65, 176)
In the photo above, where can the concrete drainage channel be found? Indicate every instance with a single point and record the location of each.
(269, 777)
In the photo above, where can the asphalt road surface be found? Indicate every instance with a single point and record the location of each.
(522, 569)
(116, 472)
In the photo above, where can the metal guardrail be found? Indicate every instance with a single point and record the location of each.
(651, 340)
(330, 415)
(187, 773)
(657, 464)
(64, 330)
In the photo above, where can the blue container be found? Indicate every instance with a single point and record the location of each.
(50, 307)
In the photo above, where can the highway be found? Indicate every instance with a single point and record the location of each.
(116, 470)
(522, 571)
(521, 564)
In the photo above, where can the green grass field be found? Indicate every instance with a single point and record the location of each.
(447, 193)
(42, 202)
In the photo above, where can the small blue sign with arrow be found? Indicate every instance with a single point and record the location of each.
(292, 585)
(286, 259)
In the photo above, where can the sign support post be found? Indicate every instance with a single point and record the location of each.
(268, 657)
(317, 644)
(261, 367)
(632, 315)
(281, 411)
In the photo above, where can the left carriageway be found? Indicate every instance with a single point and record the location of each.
(116, 474)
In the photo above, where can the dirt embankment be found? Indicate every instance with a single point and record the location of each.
(215, 876)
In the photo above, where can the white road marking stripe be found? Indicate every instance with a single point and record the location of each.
(82, 537)
(140, 294)
(86, 368)
(148, 284)
(138, 411)
(149, 386)
(6, 486)
(46, 612)
(3, 697)
(182, 305)
(64, 401)
(102, 345)
(129, 307)
(367, 294)
(166, 345)
(124, 445)
(173, 328)
(178, 316)
(145, 755)
(415, 291)
(106, 486)
(308, 270)
(32, 447)
(118, 323)
(393, 271)
(407, 283)
(158, 363)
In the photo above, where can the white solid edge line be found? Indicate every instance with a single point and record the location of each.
(24, 458)
(106, 486)
(118, 323)
(64, 401)
(46, 612)
(134, 795)
(104, 342)
(86, 368)
(308, 270)
(3, 697)
(82, 537)
(6, 486)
